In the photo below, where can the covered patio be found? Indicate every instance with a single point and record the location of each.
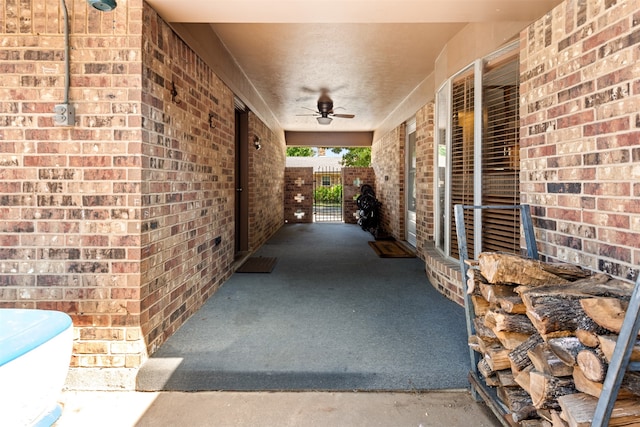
(331, 315)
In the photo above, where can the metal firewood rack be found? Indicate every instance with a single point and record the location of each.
(620, 361)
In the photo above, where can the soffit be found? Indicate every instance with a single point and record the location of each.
(370, 55)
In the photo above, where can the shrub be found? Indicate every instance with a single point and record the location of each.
(331, 194)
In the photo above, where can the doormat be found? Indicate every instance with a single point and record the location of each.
(258, 265)
(391, 249)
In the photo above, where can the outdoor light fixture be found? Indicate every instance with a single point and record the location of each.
(324, 120)
(103, 5)
(256, 142)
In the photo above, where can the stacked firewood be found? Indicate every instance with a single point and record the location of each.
(546, 333)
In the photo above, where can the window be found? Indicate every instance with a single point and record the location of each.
(476, 158)
(326, 180)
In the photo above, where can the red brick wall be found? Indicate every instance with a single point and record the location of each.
(388, 162)
(188, 180)
(443, 274)
(70, 197)
(352, 179)
(125, 220)
(425, 205)
(298, 200)
(266, 184)
(580, 150)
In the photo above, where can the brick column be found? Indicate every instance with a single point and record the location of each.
(298, 199)
(352, 180)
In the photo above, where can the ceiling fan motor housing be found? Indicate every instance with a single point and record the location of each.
(325, 105)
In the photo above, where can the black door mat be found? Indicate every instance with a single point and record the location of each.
(391, 249)
(258, 265)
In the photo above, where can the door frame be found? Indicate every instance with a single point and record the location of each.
(241, 181)
(410, 128)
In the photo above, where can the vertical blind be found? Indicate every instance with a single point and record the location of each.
(500, 155)
(462, 154)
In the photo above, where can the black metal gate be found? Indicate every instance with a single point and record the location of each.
(327, 194)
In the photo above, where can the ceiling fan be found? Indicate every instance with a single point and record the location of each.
(324, 114)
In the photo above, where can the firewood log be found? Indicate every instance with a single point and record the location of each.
(500, 268)
(473, 344)
(511, 340)
(557, 421)
(631, 383)
(492, 381)
(608, 344)
(593, 388)
(545, 414)
(526, 417)
(533, 423)
(545, 389)
(570, 272)
(553, 308)
(592, 364)
(523, 377)
(484, 369)
(474, 278)
(552, 312)
(519, 357)
(481, 330)
(584, 385)
(490, 377)
(579, 408)
(612, 288)
(493, 293)
(607, 312)
(480, 305)
(516, 399)
(506, 378)
(485, 342)
(566, 349)
(587, 325)
(499, 321)
(544, 360)
(497, 357)
(471, 263)
(557, 334)
(598, 285)
(511, 304)
(587, 338)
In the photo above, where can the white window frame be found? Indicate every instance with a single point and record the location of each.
(446, 89)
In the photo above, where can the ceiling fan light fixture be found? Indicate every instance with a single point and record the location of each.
(103, 5)
(324, 120)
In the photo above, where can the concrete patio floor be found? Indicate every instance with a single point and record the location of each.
(376, 317)
(453, 408)
(331, 316)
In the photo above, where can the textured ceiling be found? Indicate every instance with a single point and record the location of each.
(368, 54)
(365, 68)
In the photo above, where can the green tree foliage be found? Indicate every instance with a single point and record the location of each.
(357, 157)
(351, 157)
(300, 152)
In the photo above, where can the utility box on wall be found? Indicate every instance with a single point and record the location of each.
(298, 197)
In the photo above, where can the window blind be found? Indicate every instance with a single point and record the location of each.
(500, 155)
(462, 155)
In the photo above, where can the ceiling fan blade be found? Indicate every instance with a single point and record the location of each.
(344, 116)
(310, 109)
(314, 114)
